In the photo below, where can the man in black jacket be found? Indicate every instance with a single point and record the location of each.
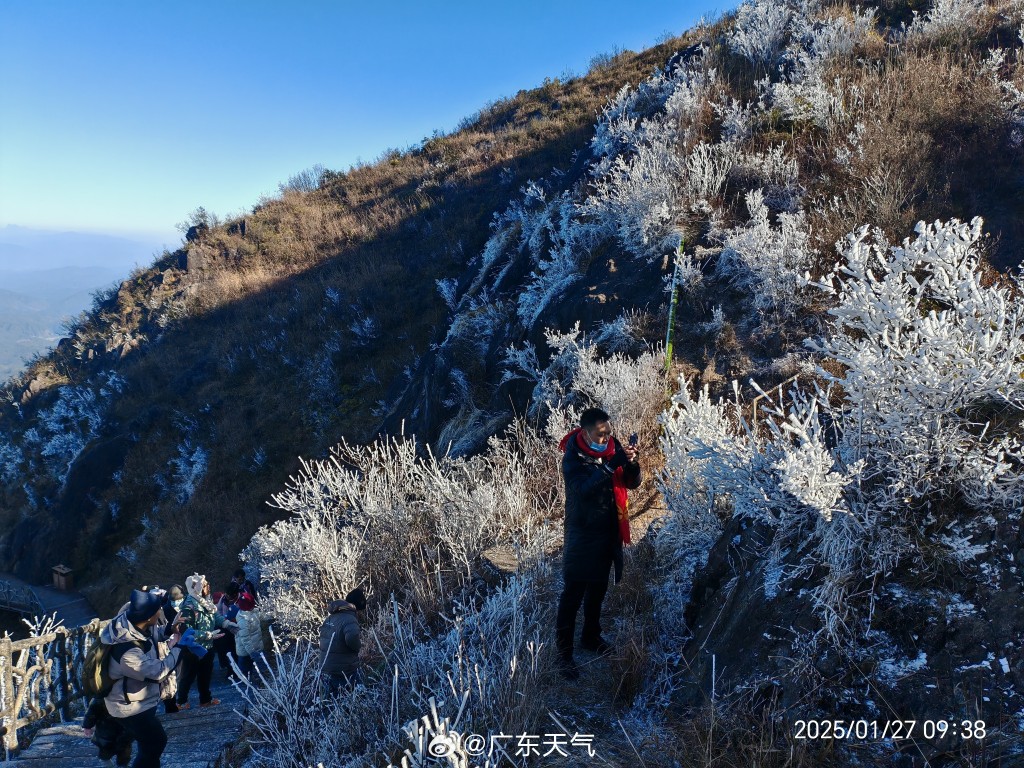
(340, 642)
(598, 472)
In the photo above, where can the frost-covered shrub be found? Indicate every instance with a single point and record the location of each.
(624, 334)
(645, 181)
(64, 428)
(383, 516)
(292, 723)
(685, 535)
(829, 37)
(631, 390)
(806, 97)
(489, 660)
(928, 407)
(806, 92)
(952, 19)
(188, 469)
(570, 240)
(628, 119)
(933, 361)
(476, 325)
(10, 462)
(481, 675)
(759, 31)
(766, 261)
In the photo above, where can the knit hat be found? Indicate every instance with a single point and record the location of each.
(143, 605)
(194, 585)
(246, 602)
(358, 598)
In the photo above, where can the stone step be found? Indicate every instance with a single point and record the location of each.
(195, 737)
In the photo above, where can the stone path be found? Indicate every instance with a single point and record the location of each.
(196, 737)
(71, 607)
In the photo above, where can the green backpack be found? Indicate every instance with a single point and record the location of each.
(96, 679)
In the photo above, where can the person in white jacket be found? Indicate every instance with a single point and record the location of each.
(137, 670)
(249, 639)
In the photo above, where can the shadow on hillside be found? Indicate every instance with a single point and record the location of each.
(254, 384)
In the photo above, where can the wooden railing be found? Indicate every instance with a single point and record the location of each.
(41, 675)
(20, 598)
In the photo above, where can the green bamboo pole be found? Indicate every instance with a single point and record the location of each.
(672, 308)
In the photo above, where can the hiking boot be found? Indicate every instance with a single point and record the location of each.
(124, 755)
(183, 705)
(567, 669)
(210, 703)
(599, 646)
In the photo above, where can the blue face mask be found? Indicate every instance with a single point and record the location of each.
(177, 603)
(599, 447)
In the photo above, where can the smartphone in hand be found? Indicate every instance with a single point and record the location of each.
(634, 439)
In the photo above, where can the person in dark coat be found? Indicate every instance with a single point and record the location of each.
(228, 608)
(598, 471)
(106, 733)
(339, 642)
(244, 584)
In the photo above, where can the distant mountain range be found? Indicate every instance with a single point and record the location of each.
(47, 276)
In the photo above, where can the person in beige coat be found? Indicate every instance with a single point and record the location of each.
(249, 639)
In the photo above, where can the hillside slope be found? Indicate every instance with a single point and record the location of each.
(836, 451)
(147, 444)
(840, 462)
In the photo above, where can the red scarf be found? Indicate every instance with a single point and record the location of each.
(618, 477)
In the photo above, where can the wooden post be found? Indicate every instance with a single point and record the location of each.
(10, 718)
(64, 659)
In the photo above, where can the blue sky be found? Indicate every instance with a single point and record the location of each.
(122, 117)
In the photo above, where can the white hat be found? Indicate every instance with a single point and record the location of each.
(194, 585)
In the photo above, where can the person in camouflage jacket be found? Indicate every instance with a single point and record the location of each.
(200, 615)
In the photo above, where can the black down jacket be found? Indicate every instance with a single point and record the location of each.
(339, 639)
(592, 540)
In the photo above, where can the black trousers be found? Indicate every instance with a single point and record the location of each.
(146, 730)
(195, 670)
(574, 593)
(223, 646)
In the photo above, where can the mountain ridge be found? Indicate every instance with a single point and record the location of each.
(805, 187)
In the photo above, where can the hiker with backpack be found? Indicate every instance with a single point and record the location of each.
(169, 686)
(131, 670)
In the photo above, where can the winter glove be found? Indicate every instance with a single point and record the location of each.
(188, 640)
